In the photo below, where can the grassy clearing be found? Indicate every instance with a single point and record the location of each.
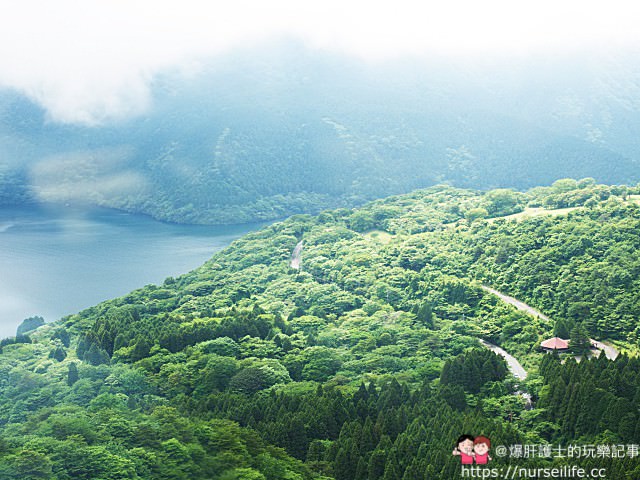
(534, 212)
(634, 199)
(379, 236)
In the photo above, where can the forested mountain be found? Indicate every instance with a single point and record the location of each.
(266, 133)
(363, 363)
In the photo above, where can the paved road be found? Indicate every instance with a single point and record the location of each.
(515, 367)
(608, 350)
(517, 303)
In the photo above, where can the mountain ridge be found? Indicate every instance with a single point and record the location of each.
(281, 131)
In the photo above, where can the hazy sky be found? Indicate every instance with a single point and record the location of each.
(91, 61)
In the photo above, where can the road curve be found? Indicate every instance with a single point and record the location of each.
(516, 303)
(610, 352)
(516, 369)
(514, 365)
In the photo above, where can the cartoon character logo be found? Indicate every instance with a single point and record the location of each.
(464, 448)
(473, 450)
(481, 446)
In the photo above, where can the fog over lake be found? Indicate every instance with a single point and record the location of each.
(54, 262)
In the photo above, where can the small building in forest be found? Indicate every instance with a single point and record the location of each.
(555, 344)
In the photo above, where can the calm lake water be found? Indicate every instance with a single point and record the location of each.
(54, 262)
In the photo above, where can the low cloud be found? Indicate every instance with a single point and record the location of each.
(92, 62)
(13, 309)
(87, 177)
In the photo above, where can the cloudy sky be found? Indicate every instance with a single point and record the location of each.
(90, 61)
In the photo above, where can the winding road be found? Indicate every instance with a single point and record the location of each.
(610, 352)
(516, 303)
(514, 365)
(516, 369)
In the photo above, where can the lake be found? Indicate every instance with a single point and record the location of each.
(54, 262)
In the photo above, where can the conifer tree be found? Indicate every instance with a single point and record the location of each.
(580, 343)
(72, 375)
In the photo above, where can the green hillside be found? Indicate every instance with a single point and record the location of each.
(363, 363)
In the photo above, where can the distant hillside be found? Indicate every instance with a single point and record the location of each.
(262, 135)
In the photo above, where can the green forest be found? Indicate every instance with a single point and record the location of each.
(363, 363)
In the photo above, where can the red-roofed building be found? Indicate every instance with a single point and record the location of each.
(555, 344)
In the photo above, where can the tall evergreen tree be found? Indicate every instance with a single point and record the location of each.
(72, 374)
(580, 343)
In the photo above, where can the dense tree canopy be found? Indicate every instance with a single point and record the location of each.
(363, 364)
